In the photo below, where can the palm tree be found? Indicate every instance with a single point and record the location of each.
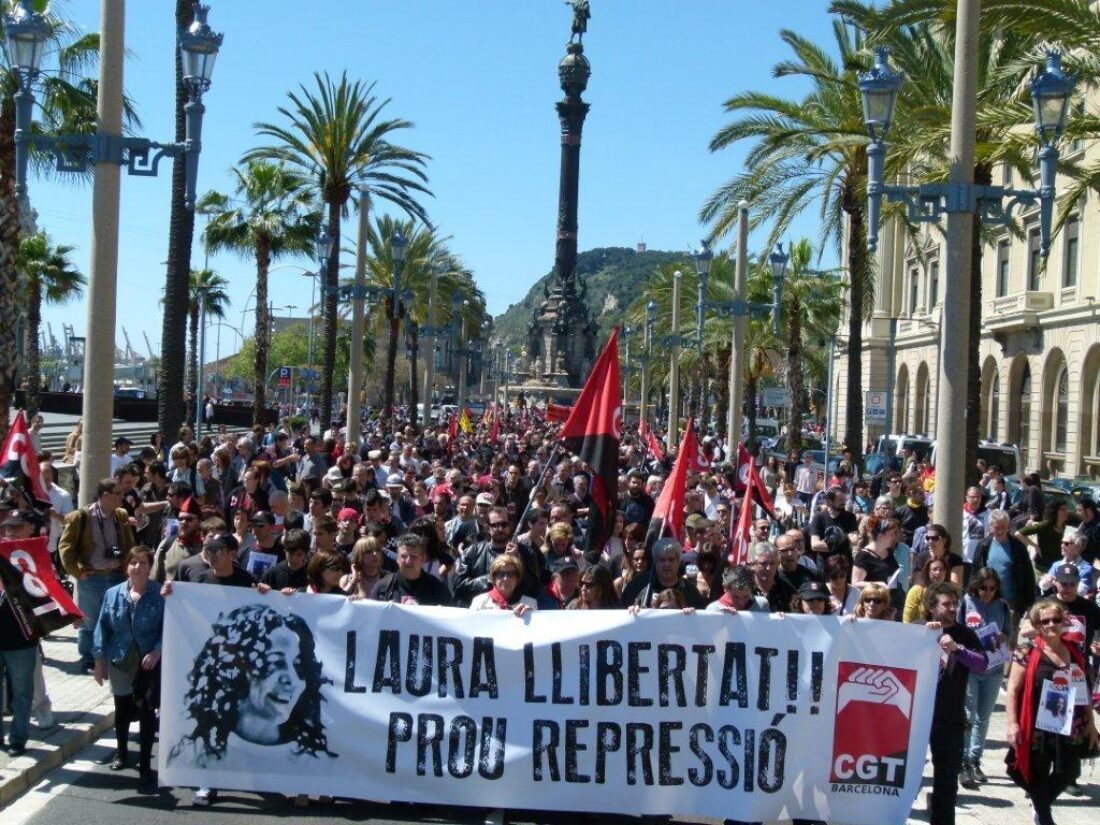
(922, 45)
(334, 134)
(810, 310)
(206, 296)
(67, 104)
(271, 215)
(806, 151)
(52, 277)
(181, 230)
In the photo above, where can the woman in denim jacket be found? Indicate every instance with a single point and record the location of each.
(127, 653)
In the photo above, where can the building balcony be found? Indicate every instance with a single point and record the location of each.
(1016, 312)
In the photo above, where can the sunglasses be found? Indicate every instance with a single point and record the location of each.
(933, 536)
(1049, 622)
(988, 589)
(874, 600)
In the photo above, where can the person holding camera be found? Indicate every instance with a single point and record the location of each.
(93, 543)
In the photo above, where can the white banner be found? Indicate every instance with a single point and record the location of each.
(752, 717)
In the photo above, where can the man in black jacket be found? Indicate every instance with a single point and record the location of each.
(1009, 557)
(410, 584)
(472, 571)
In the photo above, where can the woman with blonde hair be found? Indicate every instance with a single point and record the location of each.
(505, 573)
(874, 602)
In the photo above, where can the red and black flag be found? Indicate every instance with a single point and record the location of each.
(557, 412)
(593, 432)
(19, 463)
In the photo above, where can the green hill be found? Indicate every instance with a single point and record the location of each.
(614, 276)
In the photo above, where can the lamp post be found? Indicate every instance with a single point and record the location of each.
(738, 309)
(960, 200)
(463, 352)
(672, 436)
(650, 323)
(27, 32)
(429, 331)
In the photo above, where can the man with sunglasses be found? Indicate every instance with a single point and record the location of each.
(186, 543)
(472, 570)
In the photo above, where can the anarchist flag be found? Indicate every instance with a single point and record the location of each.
(669, 511)
(18, 462)
(760, 492)
(651, 442)
(593, 432)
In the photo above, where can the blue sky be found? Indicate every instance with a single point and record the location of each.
(479, 81)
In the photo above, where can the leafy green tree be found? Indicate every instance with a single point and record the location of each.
(52, 277)
(270, 216)
(810, 150)
(334, 133)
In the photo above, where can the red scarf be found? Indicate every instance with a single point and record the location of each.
(726, 600)
(1026, 716)
(498, 599)
(555, 590)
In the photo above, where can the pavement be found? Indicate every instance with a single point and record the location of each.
(82, 711)
(60, 779)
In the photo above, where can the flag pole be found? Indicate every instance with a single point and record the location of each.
(538, 484)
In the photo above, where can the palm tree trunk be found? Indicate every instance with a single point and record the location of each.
(192, 349)
(393, 316)
(30, 346)
(750, 405)
(332, 281)
(724, 392)
(9, 247)
(262, 334)
(858, 265)
(794, 373)
(181, 228)
(414, 384)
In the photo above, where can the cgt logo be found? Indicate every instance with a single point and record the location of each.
(871, 735)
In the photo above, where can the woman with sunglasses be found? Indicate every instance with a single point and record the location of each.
(505, 573)
(982, 606)
(635, 563)
(934, 572)
(1045, 764)
(874, 603)
(596, 591)
(843, 597)
(938, 542)
(876, 561)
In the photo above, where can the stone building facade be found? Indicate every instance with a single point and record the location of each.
(1040, 345)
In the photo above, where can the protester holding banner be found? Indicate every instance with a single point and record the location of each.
(596, 590)
(665, 575)
(93, 544)
(738, 586)
(1044, 763)
(127, 650)
(410, 584)
(506, 574)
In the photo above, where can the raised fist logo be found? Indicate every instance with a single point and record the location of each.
(876, 685)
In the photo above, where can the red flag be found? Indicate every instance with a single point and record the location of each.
(744, 462)
(655, 446)
(700, 463)
(494, 432)
(593, 432)
(742, 532)
(51, 602)
(557, 412)
(761, 492)
(670, 504)
(20, 463)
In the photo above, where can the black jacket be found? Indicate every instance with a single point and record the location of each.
(471, 576)
(1022, 571)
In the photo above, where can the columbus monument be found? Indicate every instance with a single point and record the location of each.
(561, 336)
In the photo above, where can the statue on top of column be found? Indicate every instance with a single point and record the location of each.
(581, 13)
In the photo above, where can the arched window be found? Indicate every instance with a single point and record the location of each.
(994, 421)
(1061, 410)
(1023, 404)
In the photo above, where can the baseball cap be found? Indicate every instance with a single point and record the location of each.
(346, 514)
(262, 517)
(663, 544)
(191, 507)
(22, 517)
(1066, 574)
(563, 564)
(395, 480)
(812, 590)
(484, 498)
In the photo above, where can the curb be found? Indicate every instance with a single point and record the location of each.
(23, 773)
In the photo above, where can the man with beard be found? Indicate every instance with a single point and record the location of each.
(472, 570)
(185, 544)
(639, 505)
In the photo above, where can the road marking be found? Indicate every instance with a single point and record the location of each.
(52, 785)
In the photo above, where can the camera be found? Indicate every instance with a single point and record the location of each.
(114, 552)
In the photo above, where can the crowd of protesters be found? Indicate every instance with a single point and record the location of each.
(496, 519)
